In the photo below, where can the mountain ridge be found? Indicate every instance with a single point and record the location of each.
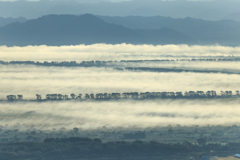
(87, 29)
(224, 32)
(6, 21)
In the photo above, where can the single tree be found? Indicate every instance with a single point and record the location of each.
(92, 96)
(73, 96)
(80, 96)
(237, 93)
(20, 97)
(87, 96)
(39, 97)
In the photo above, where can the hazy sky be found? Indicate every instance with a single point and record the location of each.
(204, 9)
(126, 0)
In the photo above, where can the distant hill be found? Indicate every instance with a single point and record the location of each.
(225, 32)
(6, 21)
(84, 29)
(233, 16)
(168, 36)
(90, 29)
(212, 14)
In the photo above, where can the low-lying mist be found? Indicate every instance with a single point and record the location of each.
(112, 52)
(125, 114)
(31, 80)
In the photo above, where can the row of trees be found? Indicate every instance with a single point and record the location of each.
(133, 95)
(142, 95)
(63, 63)
(97, 63)
(150, 69)
(14, 97)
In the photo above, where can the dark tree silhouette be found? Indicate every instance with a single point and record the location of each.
(73, 96)
(11, 97)
(237, 93)
(20, 97)
(39, 97)
(87, 96)
(60, 97)
(80, 96)
(92, 96)
(202, 141)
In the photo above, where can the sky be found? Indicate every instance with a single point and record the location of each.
(209, 10)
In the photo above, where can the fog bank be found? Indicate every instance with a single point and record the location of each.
(112, 52)
(31, 80)
(142, 114)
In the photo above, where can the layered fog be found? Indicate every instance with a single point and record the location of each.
(121, 114)
(31, 80)
(107, 52)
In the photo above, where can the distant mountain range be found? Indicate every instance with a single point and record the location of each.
(234, 16)
(84, 29)
(90, 29)
(6, 21)
(225, 32)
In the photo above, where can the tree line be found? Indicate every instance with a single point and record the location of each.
(78, 147)
(56, 63)
(150, 69)
(103, 63)
(134, 95)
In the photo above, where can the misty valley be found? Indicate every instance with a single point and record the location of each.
(120, 101)
(119, 79)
